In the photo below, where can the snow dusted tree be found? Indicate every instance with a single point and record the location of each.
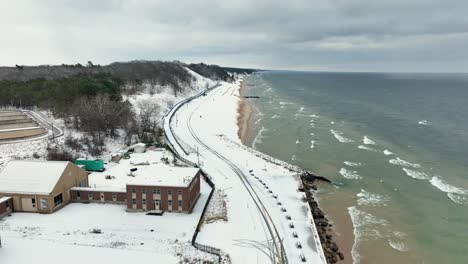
(147, 119)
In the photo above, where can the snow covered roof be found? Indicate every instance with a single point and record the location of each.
(3, 199)
(31, 177)
(164, 176)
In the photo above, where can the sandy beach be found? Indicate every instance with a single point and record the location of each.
(245, 113)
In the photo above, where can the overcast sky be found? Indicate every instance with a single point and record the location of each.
(330, 35)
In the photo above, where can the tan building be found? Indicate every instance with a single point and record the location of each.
(40, 186)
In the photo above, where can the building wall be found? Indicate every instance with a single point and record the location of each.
(6, 207)
(144, 197)
(98, 196)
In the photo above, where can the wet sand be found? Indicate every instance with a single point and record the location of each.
(243, 120)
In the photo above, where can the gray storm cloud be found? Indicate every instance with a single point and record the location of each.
(341, 35)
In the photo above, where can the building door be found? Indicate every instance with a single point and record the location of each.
(28, 204)
(102, 197)
(157, 204)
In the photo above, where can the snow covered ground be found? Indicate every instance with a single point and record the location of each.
(126, 237)
(213, 118)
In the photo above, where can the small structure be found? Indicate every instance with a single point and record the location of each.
(139, 148)
(6, 206)
(91, 164)
(40, 186)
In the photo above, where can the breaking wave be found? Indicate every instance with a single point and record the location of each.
(388, 152)
(458, 198)
(365, 226)
(445, 187)
(312, 144)
(275, 116)
(339, 135)
(368, 141)
(398, 245)
(349, 174)
(352, 164)
(258, 138)
(424, 122)
(404, 163)
(366, 198)
(416, 174)
(366, 148)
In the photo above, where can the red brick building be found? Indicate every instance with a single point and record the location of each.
(177, 193)
(173, 190)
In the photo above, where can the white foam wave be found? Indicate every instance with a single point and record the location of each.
(285, 103)
(388, 152)
(349, 174)
(339, 135)
(424, 122)
(301, 109)
(368, 141)
(258, 137)
(312, 144)
(312, 134)
(366, 198)
(293, 157)
(366, 148)
(352, 164)
(275, 116)
(445, 187)
(404, 163)
(314, 116)
(298, 142)
(398, 245)
(416, 174)
(458, 198)
(332, 122)
(365, 226)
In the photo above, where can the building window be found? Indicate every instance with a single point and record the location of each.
(169, 202)
(133, 190)
(78, 194)
(90, 195)
(133, 201)
(83, 183)
(33, 201)
(143, 190)
(143, 201)
(169, 192)
(58, 200)
(114, 196)
(180, 203)
(179, 192)
(156, 191)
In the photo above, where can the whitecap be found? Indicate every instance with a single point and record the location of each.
(366, 148)
(388, 152)
(424, 122)
(352, 164)
(458, 198)
(398, 245)
(298, 142)
(312, 134)
(285, 103)
(332, 122)
(275, 116)
(301, 109)
(416, 174)
(312, 144)
(314, 116)
(293, 157)
(366, 198)
(349, 174)
(368, 141)
(404, 163)
(445, 187)
(338, 135)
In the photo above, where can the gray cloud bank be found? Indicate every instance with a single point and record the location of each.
(338, 35)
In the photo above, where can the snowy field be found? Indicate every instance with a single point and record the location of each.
(125, 236)
(213, 119)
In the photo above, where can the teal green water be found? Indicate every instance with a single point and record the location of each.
(408, 204)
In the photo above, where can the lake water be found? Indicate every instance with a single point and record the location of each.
(395, 146)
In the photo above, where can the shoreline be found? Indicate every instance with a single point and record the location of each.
(245, 112)
(330, 240)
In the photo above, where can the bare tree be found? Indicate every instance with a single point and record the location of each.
(147, 119)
